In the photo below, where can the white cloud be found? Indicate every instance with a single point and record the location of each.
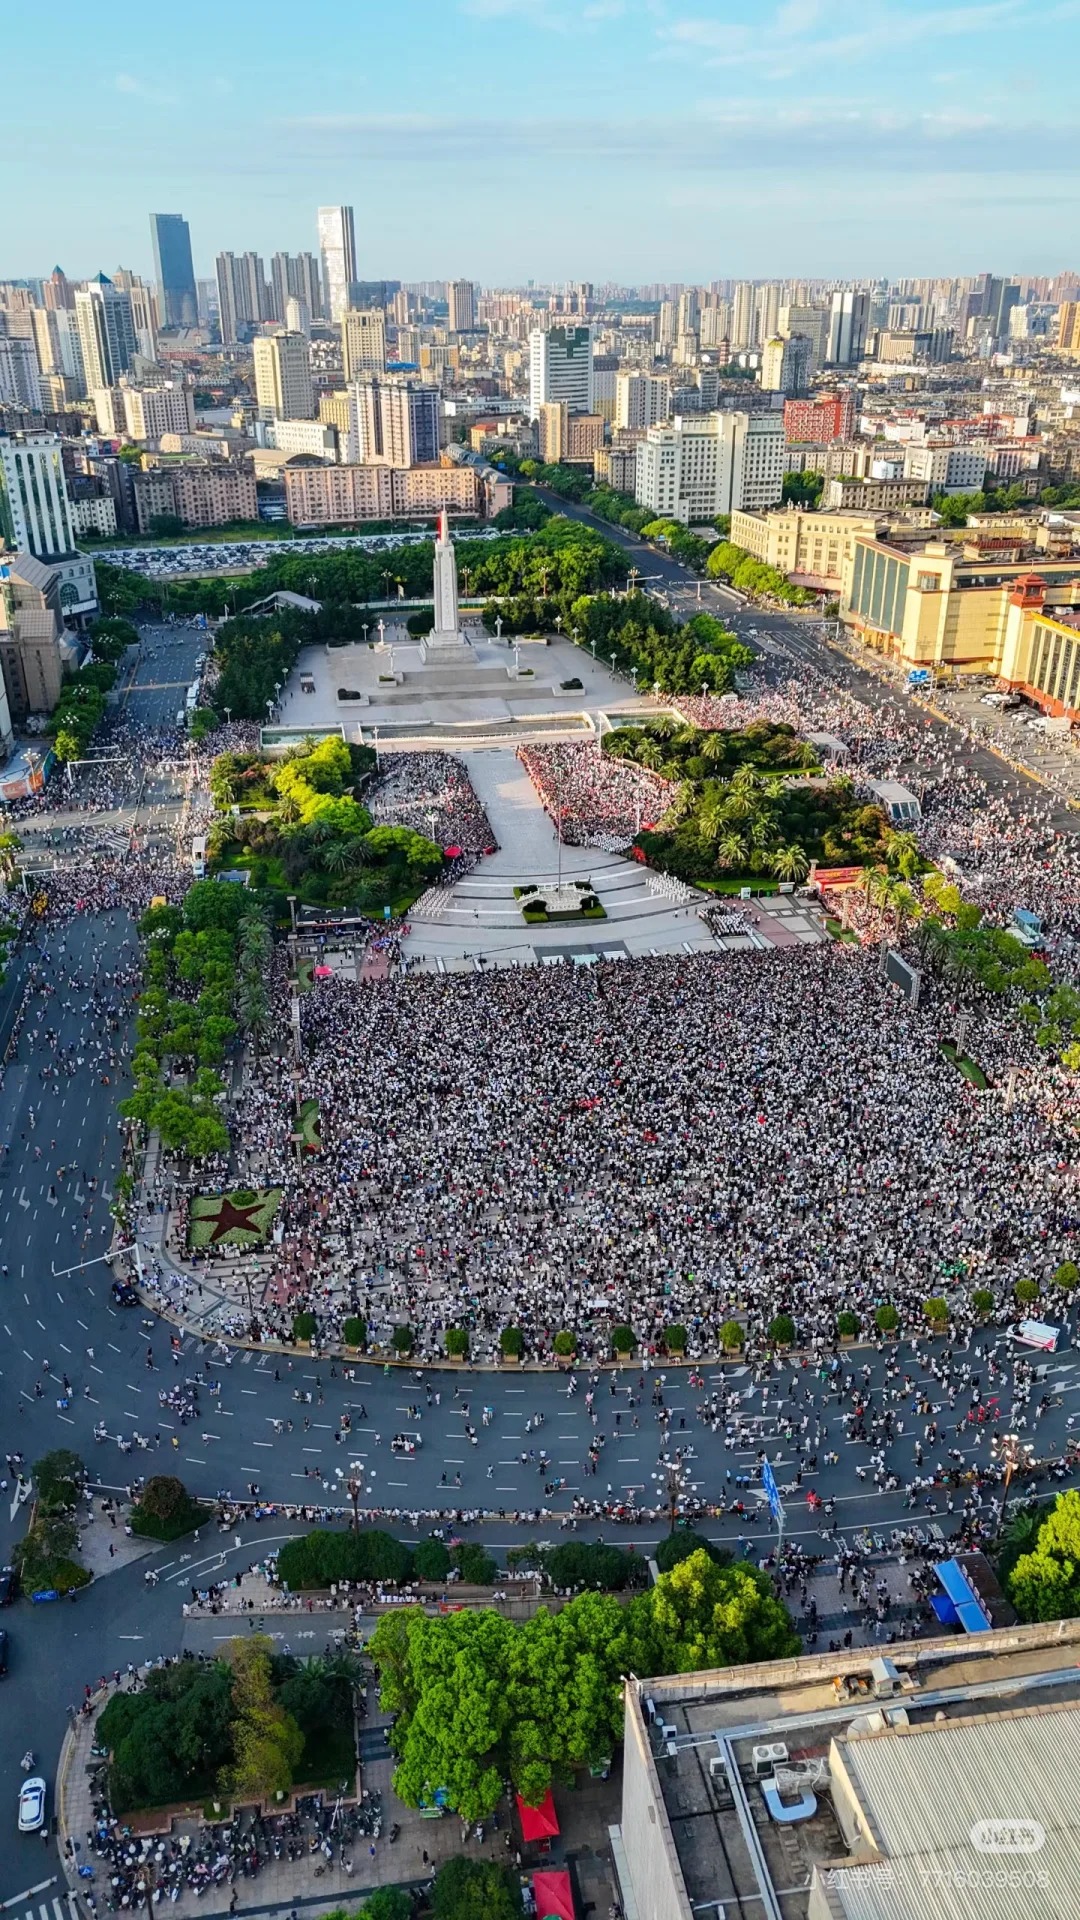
(127, 83)
(847, 31)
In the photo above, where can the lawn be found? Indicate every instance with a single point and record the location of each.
(309, 1126)
(840, 932)
(305, 975)
(241, 1219)
(968, 1067)
(736, 885)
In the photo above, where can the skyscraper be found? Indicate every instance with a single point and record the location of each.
(462, 302)
(176, 298)
(363, 341)
(283, 386)
(19, 383)
(561, 368)
(58, 291)
(337, 244)
(106, 331)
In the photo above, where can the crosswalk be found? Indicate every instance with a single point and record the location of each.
(60, 1907)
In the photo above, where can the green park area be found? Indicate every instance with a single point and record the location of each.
(240, 1219)
(747, 803)
(303, 829)
(309, 1126)
(245, 1727)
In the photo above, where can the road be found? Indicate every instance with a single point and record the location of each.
(58, 1322)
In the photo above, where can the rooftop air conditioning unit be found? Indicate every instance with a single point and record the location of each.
(717, 1765)
(766, 1758)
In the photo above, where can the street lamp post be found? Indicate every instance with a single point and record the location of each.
(354, 1490)
(1014, 1455)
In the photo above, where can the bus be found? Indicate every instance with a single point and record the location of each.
(198, 856)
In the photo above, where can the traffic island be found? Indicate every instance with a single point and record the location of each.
(970, 1068)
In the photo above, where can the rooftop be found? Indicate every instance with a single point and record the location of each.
(840, 1787)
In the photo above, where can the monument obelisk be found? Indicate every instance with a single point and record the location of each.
(446, 631)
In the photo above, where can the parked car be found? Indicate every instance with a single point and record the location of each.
(9, 1585)
(124, 1293)
(3, 1650)
(32, 1805)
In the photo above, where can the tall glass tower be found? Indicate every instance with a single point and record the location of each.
(178, 304)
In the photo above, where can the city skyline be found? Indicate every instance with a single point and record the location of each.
(646, 141)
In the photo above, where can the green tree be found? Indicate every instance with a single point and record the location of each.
(700, 1615)
(475, 1890)
(267, 1743)
(1045, 1584)
(58, 1478)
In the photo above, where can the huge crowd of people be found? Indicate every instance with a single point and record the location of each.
(592, 801)
(430, 792)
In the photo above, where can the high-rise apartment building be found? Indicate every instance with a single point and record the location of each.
(59, 348)
(766, 312)
(294, 276)
(177, 302)
(363, 341)
(849, 318)
(561, 368)
(106, 332)
(283, 387)
(396, 422)
(151, 411)
(688, 318)
(1068, 339)
(785, 365)
(243, 296)
(337, 245)
(19, 374)
(58, 290)
(144, 311)
(641, 400)
(812, 323)
(35, 511)
(461, 298)
(697, 466)
(742, 315)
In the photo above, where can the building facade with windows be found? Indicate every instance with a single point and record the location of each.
(338, 496)
(698, 466)
(178, 304)
(337, 246)
(35, 511)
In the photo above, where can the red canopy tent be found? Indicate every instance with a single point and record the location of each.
(554, 1896)
(538, 1823)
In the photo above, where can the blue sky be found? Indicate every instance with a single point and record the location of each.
(635, 140)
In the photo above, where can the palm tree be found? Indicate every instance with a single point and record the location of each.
(712, 814)
(901, 900)
(790, 863)
(714, 746)
(731, 852)
(649, 754)
(337, 856)
(10, 846)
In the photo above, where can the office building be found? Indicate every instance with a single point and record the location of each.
(785, 365)
(873, 496)
(297, 316)
(395, 422)
(641, 400)
(148, 412)
(561, 368)
(314, 438)
(605, 375)
(336, 496)
(849, 317)
(812, 547)
(20, 385)
(283, 387)
(106, 332)
(34, 646)
(337, 246)
(461, 296)
(177, 300)
(35, 512)
(551, 431)
(696, 467)
(363, 341)
(827, 417)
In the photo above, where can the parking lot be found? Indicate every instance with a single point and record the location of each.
(242, 555)
(1019, 731)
